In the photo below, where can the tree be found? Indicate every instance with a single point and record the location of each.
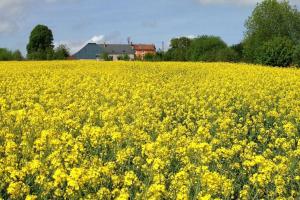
(270, 18)
(37, 56)
(226, 55)
(205, 48)
(159, 56)
(40, 44)
(106, 57)
(124, 57)
(276, 52)
(179, 48)
(17, 55)
(6, 55)
(62, 52)
(296, 55)
(238, 48)
(149, 57)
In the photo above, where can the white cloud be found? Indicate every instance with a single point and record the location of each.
(97, 39)
(10, 6)
(191, 36)
(10, 11)
(76, 46)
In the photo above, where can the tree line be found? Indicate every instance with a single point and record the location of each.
(7, 55)
(272, 37)
(202, 48)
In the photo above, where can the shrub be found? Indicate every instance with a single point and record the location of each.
(205, 48)
(124, 57)
(296, 55)
(61, 52)
(276, 52)
(158, 56)
(105, 57)
(17, 55)
(227, 55)
(149, 57)
(6, 55)
(238, 48)
(37, 56)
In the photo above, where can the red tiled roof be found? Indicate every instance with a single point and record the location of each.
(144, 47)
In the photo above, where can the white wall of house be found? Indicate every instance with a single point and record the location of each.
(115, 56)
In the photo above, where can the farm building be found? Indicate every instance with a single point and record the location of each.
(93, 51)
(117, 50)
(142, 49)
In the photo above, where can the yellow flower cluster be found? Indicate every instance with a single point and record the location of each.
(137, 130)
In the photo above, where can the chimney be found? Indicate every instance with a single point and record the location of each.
(128, 40)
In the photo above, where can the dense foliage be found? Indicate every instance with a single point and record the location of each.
(134, 130)
(179, 49)
(276, 52)
(271, 19)
(106, 57)
(296, 55)
(40, 46)
(238, 49)
(205, 48)
(124, 57)
(6, 55)
(158, 56)
(202, 48)
(61, 52)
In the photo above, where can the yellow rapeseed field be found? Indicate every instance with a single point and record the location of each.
(134, 130)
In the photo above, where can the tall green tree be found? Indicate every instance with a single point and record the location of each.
(179, 48)
(40, 44)
(270, 19)
(206, 48)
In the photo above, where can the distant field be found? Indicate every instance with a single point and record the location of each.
(134, 130)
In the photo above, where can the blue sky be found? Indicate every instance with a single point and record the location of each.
(76, 22)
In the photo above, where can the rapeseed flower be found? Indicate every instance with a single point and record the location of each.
(137, 130)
